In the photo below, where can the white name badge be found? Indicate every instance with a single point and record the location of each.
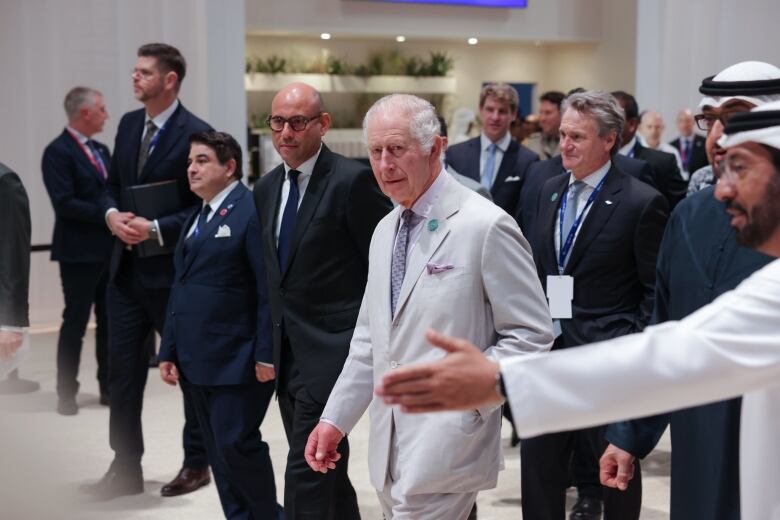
(560, 292)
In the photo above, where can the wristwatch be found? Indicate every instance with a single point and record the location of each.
(500, 388)
(153, 233)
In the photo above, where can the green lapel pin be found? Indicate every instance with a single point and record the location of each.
(433, 224)
(554, 197)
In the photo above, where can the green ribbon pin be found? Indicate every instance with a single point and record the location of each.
(554, 197)
(433, 224)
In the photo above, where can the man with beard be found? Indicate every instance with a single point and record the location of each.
(724, 349)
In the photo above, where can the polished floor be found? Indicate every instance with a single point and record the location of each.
(46, 457)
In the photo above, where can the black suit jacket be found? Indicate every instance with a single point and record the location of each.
(218, 323)
(168, 161)
(14, 251)
(697, 155)
(539, 172)
(612, 260)
(314, 301)
(667, 178)
(509, 181)
(75, 187)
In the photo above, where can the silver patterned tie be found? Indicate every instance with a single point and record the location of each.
(398, 267)
(143, 152)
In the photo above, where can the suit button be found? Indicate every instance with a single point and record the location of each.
(277, 324)
(173, 313)
(281, 292)
(393, 364)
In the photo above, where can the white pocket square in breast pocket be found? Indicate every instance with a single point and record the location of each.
(438, 268)
(223, 231)
(512, 179)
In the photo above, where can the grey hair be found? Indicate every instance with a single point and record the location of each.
(603, 107)
(423, 121)
(77, 98)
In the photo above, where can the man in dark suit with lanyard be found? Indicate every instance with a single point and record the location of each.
(595, 241)
(151, 146)
(689, 144)
(75, 168)
(494, 159)
(218, 329)
(318, 211)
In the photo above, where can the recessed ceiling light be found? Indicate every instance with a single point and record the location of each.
(473, 41)
(325, 36)
(400, 39)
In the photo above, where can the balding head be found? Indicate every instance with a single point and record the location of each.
(685, 122)
(651, 127)
(298, 101)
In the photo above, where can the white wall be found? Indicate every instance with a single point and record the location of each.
(546, 20)
(682, 41)
(49, 46)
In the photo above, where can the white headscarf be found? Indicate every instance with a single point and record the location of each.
(744, 71)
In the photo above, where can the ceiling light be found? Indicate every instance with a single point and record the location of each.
(325, 36)
(473, 41)
(400, 39)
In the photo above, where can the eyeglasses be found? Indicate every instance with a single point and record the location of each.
(707, 121)
(297, 123)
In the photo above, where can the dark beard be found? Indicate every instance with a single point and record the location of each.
(763, 219)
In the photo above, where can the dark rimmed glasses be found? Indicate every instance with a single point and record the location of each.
(297, 123)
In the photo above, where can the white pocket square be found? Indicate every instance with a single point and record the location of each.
(438, 268)
(223, 231)
(512, 179)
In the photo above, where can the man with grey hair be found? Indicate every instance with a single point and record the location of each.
(74, 172)
(445, 258)
(494, 159)
(595, 238)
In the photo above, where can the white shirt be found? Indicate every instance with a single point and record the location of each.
(421, 207)
(725, 349)
(306, 169)
(628, 148)
(214, 204)
(160, 120)
(501, 147)
(591, 181)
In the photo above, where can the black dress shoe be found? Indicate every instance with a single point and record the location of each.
(115, 484)
(586, 508)
(67, 406)
(187, 481)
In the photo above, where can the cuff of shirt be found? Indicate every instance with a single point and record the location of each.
(11, 328)
(269, 365)
(108, 212)
(328, 421)
(159, 233)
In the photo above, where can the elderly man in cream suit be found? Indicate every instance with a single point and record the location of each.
(444, 258)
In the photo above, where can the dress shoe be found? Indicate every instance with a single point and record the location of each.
(115, 484)
(187, 481)
(104, 400)
(67, 406)
(586, 508)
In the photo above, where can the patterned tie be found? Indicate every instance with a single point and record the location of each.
(684, 144)
(200, 223)
(570, 215)
(409, 219)
(143, 153)
(490, 165)
(101, 166)
(288, 219)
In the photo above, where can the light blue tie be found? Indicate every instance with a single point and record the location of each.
(570, 215)
(490, 165)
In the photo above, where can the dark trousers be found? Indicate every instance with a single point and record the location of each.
(545, 463)
(133, 310)
(230, 418)
(83, 285)
(309, 495)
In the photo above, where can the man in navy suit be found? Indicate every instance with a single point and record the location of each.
(595, 241)
(151, 146)
(494, 159)
(75, 169)
(217, 340)
(689, 144)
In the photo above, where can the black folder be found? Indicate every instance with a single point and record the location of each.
(152, 201)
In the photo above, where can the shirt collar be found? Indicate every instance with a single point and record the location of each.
(306, 169)
(594, 178)
(626, 148)
(502, 144)
(81, 137)
(163, 117)
(427, 200)
(220, 197)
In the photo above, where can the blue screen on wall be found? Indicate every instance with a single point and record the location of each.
(518, 4)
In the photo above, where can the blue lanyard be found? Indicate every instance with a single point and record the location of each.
(565, 247)
(157, 136)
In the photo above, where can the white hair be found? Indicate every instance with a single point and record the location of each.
(423, 122)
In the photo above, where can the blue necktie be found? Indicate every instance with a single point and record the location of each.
(98, 159)
(288, 219)
(490, 165)
(200, 223)
(570, 215)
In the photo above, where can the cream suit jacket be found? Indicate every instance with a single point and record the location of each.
(728, 348)
(491, 296)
